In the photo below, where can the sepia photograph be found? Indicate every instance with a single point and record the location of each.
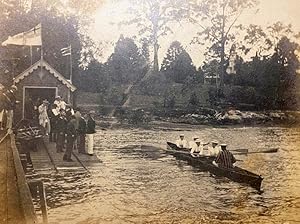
(149, 112)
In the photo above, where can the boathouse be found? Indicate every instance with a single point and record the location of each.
(39, 82)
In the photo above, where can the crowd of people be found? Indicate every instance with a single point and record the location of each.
(223, 157)
(67, 127)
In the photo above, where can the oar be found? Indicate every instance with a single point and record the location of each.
(239, 150)
(188, 153)
(272, 150)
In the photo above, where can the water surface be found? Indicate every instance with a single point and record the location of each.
(136, 184)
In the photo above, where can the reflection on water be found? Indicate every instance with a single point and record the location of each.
(137, 184)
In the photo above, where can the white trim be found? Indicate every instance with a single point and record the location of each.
(35, 87)
(42, 63)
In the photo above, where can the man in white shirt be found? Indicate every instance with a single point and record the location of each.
(197, 148)
(60, 103)
(181, 143)
(214, 148)
(193, 142)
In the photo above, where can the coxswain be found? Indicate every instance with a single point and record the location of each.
(181, 142)
(214, 148)
(225, 158)
(197, 148)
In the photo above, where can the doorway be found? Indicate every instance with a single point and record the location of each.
(34, 96)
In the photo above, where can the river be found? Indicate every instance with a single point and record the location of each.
(135, 184)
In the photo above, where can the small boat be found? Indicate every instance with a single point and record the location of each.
(236, 174)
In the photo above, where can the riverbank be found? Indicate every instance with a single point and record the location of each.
(236, 117)
(203, 117)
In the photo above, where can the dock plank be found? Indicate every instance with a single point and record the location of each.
(10, 209)
(40, 158)
(46, 157)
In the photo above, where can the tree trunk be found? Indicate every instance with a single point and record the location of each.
(222, 67)
(155, 59)
(155, 45)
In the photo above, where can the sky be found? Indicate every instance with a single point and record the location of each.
(106, 30)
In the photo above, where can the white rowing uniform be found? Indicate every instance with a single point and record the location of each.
(214, 151)
(181, 143)
(197, 149)
(205, 152)
(191, 144)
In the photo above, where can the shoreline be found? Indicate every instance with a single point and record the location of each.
(200, 116)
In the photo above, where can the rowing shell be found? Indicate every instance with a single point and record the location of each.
(235, 174)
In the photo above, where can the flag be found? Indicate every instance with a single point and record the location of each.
(32, 37)
(66, 51)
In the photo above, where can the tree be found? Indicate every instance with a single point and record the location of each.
(126, 65)
(275, 83)
(289, 64)
(62, 24)
(265, 40)
(193, 101)
(153, 18)
(218, 20)
(177, 64)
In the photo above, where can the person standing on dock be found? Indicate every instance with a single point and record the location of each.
(225, 158)
(81, 131)
(8, 103)
(90, 131)
(61, 124)
(71, 136)
(181, 142)
(43, 116)
(60, 103)
(53, 115)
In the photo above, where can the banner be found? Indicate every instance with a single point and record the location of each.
(33, 37)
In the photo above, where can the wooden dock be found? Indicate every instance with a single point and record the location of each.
(46, 158)
(15, 200)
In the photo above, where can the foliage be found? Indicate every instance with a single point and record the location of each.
(153, 19)
(193, 101)
(220, 19)
(126, 65)
(169, 101)
(58, 30)
(264, 40)
(134, 117)
(177, 64)
(245, 95)
(272, 77)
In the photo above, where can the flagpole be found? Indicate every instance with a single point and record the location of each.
(30, 55)
(71, 66)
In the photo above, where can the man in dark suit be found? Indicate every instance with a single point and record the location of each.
(71, 136)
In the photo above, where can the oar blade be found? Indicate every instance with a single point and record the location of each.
(240, 150)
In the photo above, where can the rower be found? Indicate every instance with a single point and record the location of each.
(214, 148)
(193, 142)
(225, 158)
(197, 148)
(181, 142)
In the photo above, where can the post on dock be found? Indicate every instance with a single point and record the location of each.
(37, 188)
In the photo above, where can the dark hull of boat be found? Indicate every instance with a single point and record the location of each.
(205, 163)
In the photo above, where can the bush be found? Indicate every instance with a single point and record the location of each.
(241, 94)
(193, 101)
(138, 116)
(169, 101)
